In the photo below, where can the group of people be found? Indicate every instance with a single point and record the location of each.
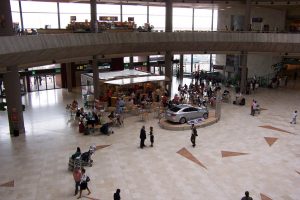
(81, 181)
(143, 137)
(138, 95)
(196, 93)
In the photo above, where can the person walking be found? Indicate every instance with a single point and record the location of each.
(77, 178)
(294, 117)
(151, 136)
(84, 183)
(143, 137)
(117, 195)
(194, 135)
(247, 197)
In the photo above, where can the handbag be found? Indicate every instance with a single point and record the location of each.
(88, 179)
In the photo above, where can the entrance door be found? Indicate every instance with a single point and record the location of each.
(34, 83)
(50, 83)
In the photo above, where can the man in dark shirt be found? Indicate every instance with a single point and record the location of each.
(194, 135)
(117, 195)
(247, 197)
(143, 137)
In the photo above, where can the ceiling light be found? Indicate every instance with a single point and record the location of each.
(228, 7)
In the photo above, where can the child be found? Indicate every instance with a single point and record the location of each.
(151, 136)
(295, 114)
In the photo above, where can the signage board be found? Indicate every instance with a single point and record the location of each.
(108, 18)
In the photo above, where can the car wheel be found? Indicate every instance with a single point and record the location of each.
(182, 120)
(205, 115)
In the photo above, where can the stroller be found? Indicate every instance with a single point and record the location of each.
(82, 160)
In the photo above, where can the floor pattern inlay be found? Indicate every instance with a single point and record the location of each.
(263, 109)
(271, 140)
(231, 153)
(8, 184)
(90, 198)
(101, 146)
(185, 153)
(264, 197)
(274, 128)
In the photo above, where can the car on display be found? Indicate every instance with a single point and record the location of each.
(183, 113)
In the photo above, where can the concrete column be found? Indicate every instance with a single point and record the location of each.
(168, 70)
(117, 64)
(21, 15)
(131, 62)
(148, 64)
(218, 105)
(193, 20)
(192, 62)
(247, 23)
(58, 15)
(6, 24)
(69, 77)
(121, 12)
(181, 68)
(148, 14)
(96, 77)
(94, 22)
(243, 66)
(212, 19)
(14, 100)
(169, 16)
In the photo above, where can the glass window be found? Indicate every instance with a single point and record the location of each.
(16, 18)
(187, 58)
(14, 6)
(182, 18)
(157, 17)
(138, 12)
(175, 109)
(41, 7)
(193, 109)
(186, 110)
(202, 19)
(201, 62)
(40, 20)
(80, 10)
(215, 26)
(126, 60)
(109, 10)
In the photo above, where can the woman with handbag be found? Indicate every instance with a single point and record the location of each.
(84, 183)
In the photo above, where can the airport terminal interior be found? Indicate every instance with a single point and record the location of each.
(69, 69)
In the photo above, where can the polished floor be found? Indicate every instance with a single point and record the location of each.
(241, 152)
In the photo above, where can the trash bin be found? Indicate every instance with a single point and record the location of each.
(16, 133)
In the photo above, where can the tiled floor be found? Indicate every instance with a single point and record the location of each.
(35, 164)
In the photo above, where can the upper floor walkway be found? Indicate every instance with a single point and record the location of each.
(45, 49)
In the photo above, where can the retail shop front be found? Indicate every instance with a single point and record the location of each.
(123, 84)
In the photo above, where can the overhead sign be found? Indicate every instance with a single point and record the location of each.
(131, 19)
(108, 18)
(257, 19)
(73, 18)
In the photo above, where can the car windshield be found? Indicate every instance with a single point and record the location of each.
(175, 109)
